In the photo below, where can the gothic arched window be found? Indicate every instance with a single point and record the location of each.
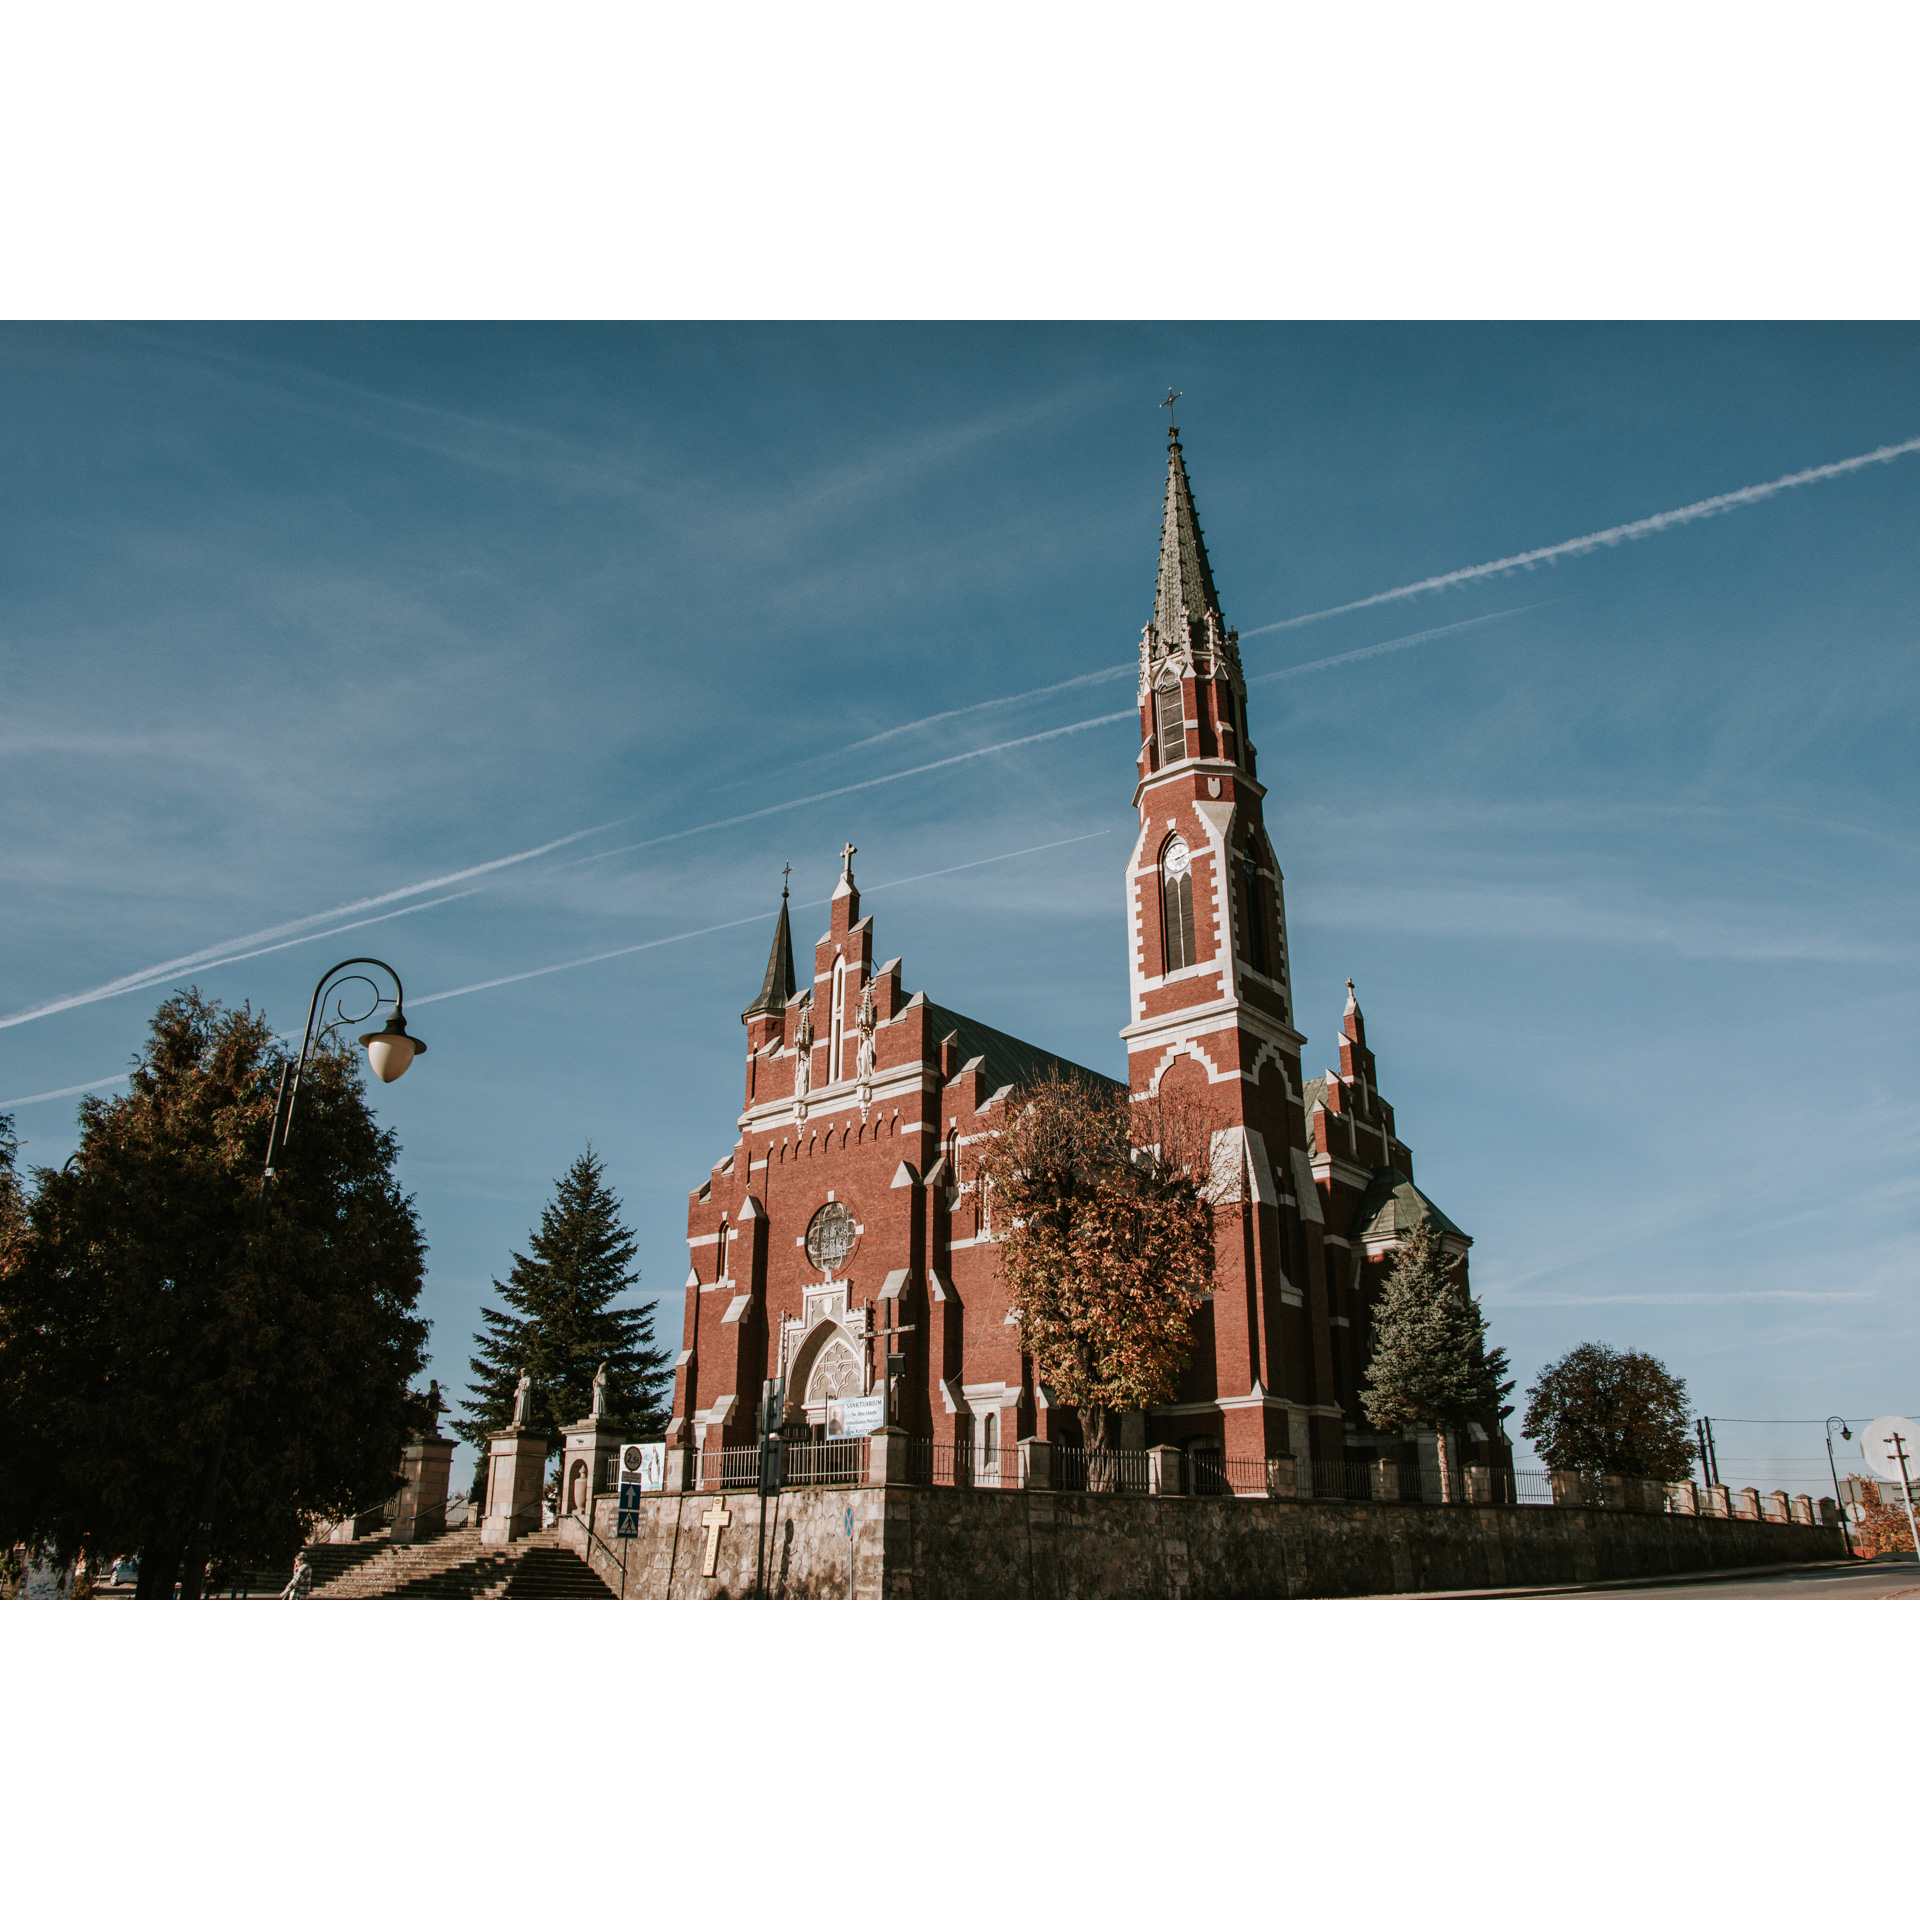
(1176, 895)
(1170, 720)
(1256, 916)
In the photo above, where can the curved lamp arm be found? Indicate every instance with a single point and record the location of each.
(390, 1052)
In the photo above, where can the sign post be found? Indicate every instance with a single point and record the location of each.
(849, 1553)
(773, 1401)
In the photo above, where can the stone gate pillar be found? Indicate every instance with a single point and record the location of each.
(425, 1464)
(516, 1469)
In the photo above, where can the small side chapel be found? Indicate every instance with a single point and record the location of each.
(848, 1205)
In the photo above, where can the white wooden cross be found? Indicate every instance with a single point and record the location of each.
(715, 1517)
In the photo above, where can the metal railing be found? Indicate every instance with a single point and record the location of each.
(1100, 1470)
(821, 1463)
(1344, 1480)
(727, 1467)
(935, 1463)
(1204, 1470)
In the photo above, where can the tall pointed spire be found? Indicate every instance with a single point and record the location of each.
(1184, 595)
(777, 989)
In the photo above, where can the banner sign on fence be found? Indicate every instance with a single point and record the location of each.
(643, 1464)
(849, 1419)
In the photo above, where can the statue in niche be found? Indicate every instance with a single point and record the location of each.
(865, 1022)
(523, 1400)
(803, 1061)
(600, 1392)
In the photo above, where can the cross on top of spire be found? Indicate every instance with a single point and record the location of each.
(846, 862)
(1173, 423)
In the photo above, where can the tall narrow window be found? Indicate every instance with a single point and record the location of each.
(1176, 893)
(1170, 716)
(720, 1262)
(1256, 917)
(835, 1029)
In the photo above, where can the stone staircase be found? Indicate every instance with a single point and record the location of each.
(455, 1566)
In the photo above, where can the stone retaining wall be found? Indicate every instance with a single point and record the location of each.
(945, 1543)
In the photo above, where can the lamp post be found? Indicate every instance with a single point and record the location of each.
(1834, 1420)
(390, 1052)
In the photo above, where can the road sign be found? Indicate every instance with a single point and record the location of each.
(1878, 1451)
(849, 1523)
(770, 1450)
(630, 1498)
(627, 1526)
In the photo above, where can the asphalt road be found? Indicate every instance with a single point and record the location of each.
(1895, 1578)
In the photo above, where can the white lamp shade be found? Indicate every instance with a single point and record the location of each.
(390, 1055)
(390, 1052)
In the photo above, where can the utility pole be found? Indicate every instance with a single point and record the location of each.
(1906, 1490)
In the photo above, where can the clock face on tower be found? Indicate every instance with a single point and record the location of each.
(830, 1236)
(1177, 859)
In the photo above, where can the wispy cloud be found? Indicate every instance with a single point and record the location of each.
(1607, 537)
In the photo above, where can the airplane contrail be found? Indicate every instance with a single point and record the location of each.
(858, 786)
(209, 956)
(1391, 646)
(62, 1093)
(1608, 537)
(726, 926)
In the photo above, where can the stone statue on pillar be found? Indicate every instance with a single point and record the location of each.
(435, 1407)
(600, 1392)
(523, 1400)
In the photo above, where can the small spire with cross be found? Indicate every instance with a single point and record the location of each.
(1173, 424)
(786, 874)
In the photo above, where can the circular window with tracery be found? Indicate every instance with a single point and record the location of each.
(830, 1237)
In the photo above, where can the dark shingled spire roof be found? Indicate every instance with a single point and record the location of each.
(777, 989)
(1185, 590)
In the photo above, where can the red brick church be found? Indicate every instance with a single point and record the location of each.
(849, 1199)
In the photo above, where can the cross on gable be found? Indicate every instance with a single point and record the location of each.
(715, 1517)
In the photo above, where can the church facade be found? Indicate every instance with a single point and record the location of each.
(848, 1206)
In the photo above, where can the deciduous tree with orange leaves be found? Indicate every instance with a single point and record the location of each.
(1103, 1207)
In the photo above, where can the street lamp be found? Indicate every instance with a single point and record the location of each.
(390, 1052)
(1834, 1420)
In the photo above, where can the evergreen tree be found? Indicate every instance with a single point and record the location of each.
(155, 1339)
(557, 1320)
(1603, 1411)
(1430, 1360)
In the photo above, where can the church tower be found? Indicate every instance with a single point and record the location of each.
(1213, 1017)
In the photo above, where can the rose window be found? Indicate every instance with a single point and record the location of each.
(830, 1236)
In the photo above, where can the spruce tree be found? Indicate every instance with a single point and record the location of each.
(1430, 1360)
(557, 1319)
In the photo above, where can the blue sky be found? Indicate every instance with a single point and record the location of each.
(1623, 863)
